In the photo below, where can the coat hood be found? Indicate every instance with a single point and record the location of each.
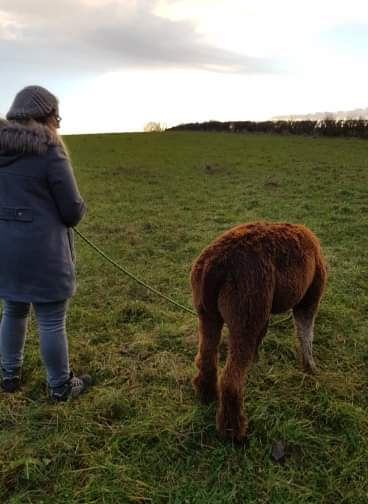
(17, 139)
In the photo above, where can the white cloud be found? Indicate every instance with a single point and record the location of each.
(110, 35)
(10, 29)
(118, 64)
(282, 30)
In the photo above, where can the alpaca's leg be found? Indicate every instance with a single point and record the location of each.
(246, 316)
(304, 322)
(231, 422)
(304, 315)
(244, 339)
(205, 382)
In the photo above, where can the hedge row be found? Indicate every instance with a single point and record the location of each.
(326, 127)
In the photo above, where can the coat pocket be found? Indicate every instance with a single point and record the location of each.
(20, 214)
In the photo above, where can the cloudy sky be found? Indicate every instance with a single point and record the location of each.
(118, 64)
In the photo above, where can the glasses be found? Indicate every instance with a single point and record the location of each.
(58, 120)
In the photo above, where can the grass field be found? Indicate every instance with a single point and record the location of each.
(141, 436)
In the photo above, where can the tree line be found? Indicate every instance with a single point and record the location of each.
(325, 127)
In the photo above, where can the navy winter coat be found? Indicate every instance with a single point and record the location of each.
(39, 204)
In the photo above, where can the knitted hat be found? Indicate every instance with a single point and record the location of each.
(33, 102)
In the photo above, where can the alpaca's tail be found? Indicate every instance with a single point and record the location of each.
(207, 279)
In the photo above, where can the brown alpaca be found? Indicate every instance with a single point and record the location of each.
(242, 277)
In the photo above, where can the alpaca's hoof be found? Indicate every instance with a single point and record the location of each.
(310, 367)
(205, 389)
(232, 428)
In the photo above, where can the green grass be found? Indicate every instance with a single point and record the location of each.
(141, 436)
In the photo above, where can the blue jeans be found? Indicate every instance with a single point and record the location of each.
(53, 342)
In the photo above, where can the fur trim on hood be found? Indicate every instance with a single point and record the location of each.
(34, 138)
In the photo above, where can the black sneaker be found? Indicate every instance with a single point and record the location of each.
(74, 387)
(11, 383)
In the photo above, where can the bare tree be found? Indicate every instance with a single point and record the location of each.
(154, 126)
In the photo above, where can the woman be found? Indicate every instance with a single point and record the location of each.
(39, 205)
